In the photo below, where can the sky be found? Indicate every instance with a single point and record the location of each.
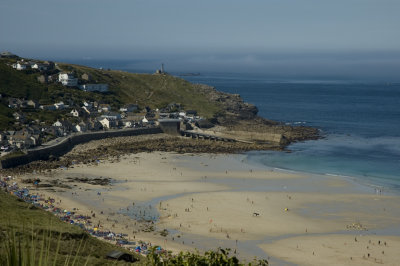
(340, 37)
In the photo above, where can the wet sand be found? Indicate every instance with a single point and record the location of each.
(206, 201)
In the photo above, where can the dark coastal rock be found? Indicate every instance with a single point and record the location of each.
(92, 181)
(233, 105)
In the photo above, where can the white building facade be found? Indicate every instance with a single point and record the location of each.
(19, 66)
(68, 80)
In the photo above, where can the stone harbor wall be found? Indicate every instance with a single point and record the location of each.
(170, 126)
(64, 146)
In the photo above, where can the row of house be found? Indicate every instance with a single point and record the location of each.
(69, 80)
(55, 106)
(25, 138)
(32, 135)
(17, 103)
(66, 79)
(24, 65)
(22, 103)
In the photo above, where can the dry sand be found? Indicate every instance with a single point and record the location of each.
(338, 250)
(211, 200)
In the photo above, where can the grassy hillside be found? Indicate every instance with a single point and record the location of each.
(6, 120)
(23, 219)
(155, 91)
(24, 84)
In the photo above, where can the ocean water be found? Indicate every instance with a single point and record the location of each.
(360, 123)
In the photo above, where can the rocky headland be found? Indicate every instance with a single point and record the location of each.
(240, 120)
(221, 115)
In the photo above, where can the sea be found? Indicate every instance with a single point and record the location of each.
(359, 121)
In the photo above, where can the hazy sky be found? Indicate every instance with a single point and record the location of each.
(222, 34)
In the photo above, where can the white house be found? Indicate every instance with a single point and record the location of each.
(77, 128)
(19, 66)
(108, 122)
(105, 122)
(127, 123)
(57, 124)
(39, 66)
(74, 113)
(59, 106)
(94, 87)
(67, 79)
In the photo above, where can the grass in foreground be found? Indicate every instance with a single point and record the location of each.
(31, 236)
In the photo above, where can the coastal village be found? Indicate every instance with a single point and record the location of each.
(78, 117)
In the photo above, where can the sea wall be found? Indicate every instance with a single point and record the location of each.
(65, 145)
(264, 136)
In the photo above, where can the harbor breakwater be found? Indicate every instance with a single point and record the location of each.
(65, 145)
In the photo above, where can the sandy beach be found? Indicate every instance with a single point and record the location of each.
(206, 201)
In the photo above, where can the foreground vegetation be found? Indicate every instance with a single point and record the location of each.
(29, 234)
(219, 257)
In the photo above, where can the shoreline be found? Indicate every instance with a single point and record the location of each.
(367, 183)
(102, 149)
(200, 179)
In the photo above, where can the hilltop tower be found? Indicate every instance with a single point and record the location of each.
(161, 71)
